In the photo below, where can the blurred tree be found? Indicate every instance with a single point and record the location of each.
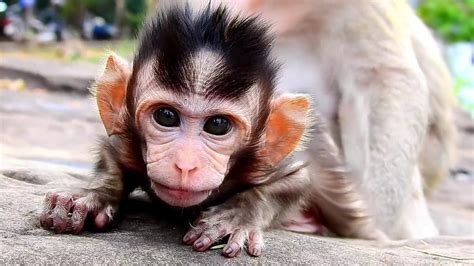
(452, 19)
(126, 15)
(73, 12)
(136, 13)
(102, 8)
(119, 15)
(42, 4)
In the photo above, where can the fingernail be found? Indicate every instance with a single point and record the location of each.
(199, 244)
(186, 238)
(229, 250)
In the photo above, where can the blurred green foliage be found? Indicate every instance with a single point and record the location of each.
(103, 8)
(42, 4)
(74, 11)
(452, 19)
(135, 15)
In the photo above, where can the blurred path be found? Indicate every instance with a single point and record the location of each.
(39, 127)
(53, 75)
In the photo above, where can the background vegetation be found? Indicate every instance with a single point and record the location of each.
(452, 19)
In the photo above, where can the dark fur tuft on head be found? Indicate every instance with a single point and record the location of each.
(176, 34)
(170, 42)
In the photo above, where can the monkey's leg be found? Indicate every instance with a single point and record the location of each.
(66, 211)
(416, 214)
(246, 215)
(383, 111)
(383, 122)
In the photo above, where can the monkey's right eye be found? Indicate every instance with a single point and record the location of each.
(166, 117)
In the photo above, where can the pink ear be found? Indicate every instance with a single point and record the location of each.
(110, 93)
(285, 127)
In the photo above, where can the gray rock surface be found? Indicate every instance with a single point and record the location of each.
(45, 143)
(147, 236)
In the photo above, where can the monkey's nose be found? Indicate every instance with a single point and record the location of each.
(186, 162)
(186, 168)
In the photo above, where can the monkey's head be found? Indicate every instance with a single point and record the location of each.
(198, 104)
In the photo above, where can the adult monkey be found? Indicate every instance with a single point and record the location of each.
(195, 122)
(382, 88)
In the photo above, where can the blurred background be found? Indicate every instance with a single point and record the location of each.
(50, 52)
(81, 30)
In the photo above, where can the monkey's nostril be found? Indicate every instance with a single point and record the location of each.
(185, 168)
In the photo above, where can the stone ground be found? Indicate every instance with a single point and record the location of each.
(46, 139)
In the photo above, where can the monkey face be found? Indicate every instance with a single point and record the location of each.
(199, 103)
(188, 143)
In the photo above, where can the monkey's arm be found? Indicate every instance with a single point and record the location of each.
(246, 215)
(66, 211)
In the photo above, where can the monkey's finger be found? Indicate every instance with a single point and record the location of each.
(60, 213)
(46, 220)
(78, 218)
(255, 243)
(209, 237)
(192, 235)
(49, 202)
(101, 219)
(235, 243)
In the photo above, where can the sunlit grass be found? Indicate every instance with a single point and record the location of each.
(75, 51)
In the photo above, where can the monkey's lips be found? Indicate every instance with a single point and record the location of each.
(179, 197)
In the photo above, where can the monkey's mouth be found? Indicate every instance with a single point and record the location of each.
(179, 197)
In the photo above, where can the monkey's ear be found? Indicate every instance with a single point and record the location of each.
(110, 93)
(286, 126)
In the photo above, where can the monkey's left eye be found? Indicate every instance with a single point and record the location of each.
(166, 117)
(217, 125)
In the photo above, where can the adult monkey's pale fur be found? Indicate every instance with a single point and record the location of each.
(381, 85)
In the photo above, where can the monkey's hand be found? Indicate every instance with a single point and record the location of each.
(220, 221)
(67, 211)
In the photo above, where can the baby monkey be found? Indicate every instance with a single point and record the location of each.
(195, 122)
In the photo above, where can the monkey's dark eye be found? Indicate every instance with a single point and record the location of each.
(166, 117)
(217, 125)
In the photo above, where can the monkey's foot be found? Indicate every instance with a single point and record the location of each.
(212, 226)
(67, 211)
(304, 221)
